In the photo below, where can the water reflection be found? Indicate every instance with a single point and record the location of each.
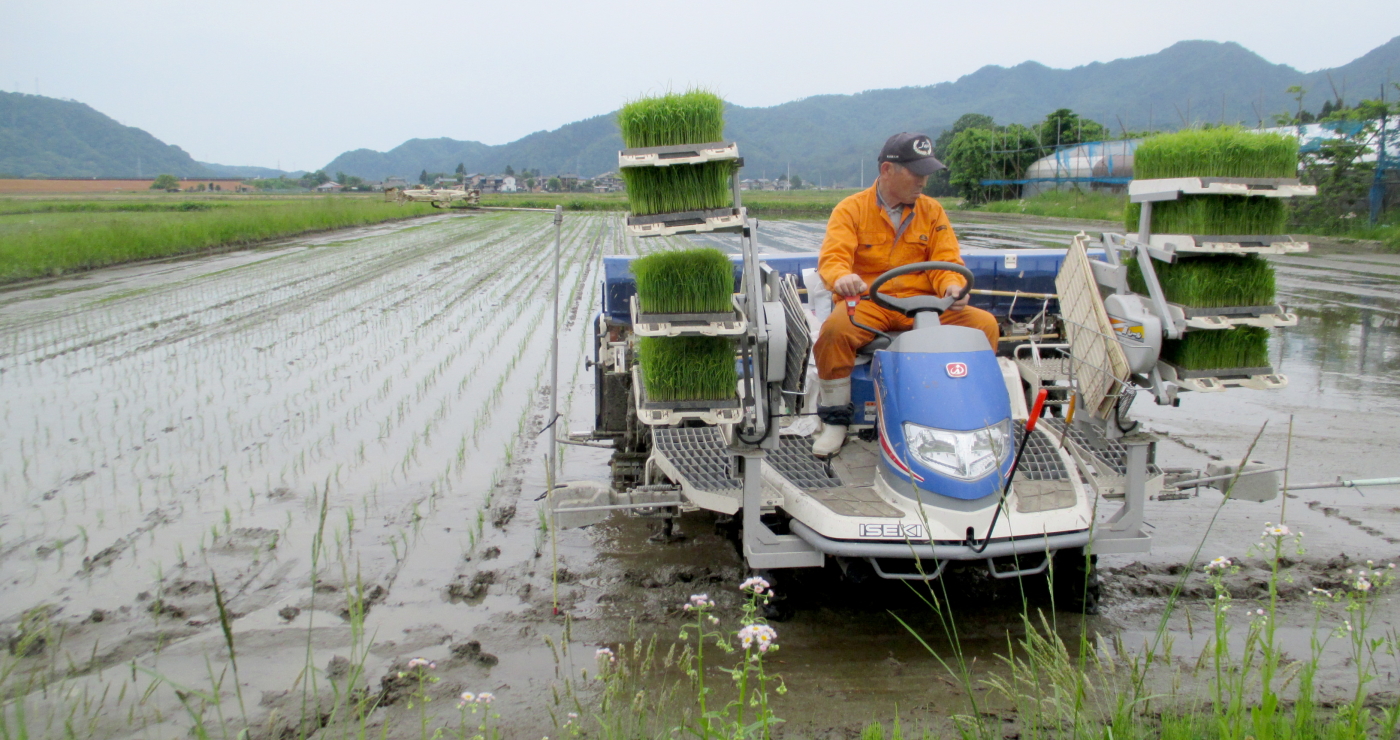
(1348, 334)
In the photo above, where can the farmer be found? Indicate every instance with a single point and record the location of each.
(891, 224)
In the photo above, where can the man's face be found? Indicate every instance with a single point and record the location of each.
(901, 185)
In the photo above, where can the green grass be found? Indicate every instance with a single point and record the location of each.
(682, 187)
(688, 368)
(684, 281)
(775, 203)
(1213, 215)
(1245, 346)
(1063, 204)
(1210, 281)
(1216, 152)
(691, 117)
(39, 238)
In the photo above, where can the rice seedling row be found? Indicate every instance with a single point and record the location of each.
(217, 409)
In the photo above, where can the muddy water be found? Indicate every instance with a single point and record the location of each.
(351, 424)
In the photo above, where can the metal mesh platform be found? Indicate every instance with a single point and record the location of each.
(699, 455)
(1040, 461)
(795, 462)
(1112, 455)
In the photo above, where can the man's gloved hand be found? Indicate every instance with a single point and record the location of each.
(849, 285)
(959, 292)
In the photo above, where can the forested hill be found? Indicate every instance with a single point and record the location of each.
(825, 138)
(47, 137)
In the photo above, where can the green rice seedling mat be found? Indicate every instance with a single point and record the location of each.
(681, 187)
(685, 281)
(1210, 281)
(1242, 347)
(688, 368)
(1213, 214)
(692, 117)
(1216, 152)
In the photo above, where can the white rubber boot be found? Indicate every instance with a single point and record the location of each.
(837, 394)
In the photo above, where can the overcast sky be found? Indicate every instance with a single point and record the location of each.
(269, 82)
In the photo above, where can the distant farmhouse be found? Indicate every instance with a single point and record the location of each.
(608, 182)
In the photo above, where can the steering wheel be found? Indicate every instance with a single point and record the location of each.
(914, 304)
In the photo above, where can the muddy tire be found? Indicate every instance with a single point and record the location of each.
(1075, 581)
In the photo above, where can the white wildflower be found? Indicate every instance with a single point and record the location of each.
(701, 601)
(605, 654)
(1276, 531)
(421, 662)
(1219, 563)
(1362, 584)
(761, 634)
(485, 697)
(755, 584)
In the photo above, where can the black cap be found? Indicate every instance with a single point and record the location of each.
(914, 151)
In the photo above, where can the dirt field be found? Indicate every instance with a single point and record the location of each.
(331, 446)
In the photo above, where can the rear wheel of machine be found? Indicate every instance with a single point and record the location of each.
(1075, 581)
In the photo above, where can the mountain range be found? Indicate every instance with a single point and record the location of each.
(825, 138)
(828, 139)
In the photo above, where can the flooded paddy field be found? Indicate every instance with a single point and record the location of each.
(331, 447)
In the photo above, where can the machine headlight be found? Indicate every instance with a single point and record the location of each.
(962, 455)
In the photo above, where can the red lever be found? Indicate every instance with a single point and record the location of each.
(851, 301)
(1037, 409)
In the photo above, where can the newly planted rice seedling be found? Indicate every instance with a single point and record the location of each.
(688, 368)
(1245, 346)
(1210, 281)
(684, 281)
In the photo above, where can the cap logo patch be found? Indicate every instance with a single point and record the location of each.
(957, 369)
(923, 147)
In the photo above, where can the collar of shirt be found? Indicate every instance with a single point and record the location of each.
(895, 212)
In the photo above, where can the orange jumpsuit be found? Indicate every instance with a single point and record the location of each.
(860, 239)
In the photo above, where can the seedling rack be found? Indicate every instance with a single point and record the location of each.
(1176, 320)
(686, 324)
(663, 413)
(666, 156)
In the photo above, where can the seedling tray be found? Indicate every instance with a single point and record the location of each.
(1268, 317)
(666, 156)
(1227, 243)
(1143, 191)
(687, 222)
(686, 324)
(666, 413)
(1219, 379)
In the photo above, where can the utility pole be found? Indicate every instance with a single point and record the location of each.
(1378, 183)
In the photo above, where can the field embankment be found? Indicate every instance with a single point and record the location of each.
(40, 238)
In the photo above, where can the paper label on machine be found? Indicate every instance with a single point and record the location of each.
(892, 531)
(870, 413)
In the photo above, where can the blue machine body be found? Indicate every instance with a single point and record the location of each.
(954, 391)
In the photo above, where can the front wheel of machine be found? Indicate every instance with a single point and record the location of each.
(1075, 581)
